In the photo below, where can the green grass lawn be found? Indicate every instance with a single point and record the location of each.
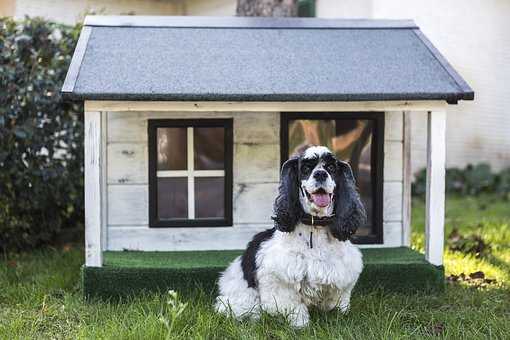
(40, 297)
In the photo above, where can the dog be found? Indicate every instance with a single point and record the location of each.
(306, 260)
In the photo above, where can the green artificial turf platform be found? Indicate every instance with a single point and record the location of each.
(129, 272)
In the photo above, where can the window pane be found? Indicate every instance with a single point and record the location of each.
(172, 148)
(349, 140)
(209, 143)
(209, 197)
(172, 197)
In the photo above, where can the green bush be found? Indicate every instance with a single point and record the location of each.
(472, 180)
(41, 137)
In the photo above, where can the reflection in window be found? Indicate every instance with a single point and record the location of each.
(350, 140)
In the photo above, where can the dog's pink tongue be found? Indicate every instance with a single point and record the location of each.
(321, 200)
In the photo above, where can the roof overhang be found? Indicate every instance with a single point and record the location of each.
(140, 58)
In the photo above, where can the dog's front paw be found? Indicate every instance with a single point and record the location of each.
(344, 307)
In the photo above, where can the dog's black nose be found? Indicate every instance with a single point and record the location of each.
(320, 175)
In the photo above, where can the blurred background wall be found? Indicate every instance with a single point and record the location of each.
(473, 35)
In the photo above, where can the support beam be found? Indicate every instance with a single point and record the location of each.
(436, 159)
(407, 179)
(93, 189)
(382, 106)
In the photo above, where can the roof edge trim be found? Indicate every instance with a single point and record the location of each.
(466, 92)
(76, 61)
(273, 97)
(243, 22)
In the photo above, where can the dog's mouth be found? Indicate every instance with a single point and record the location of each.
(320, 197)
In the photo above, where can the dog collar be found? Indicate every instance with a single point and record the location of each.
(317, 221)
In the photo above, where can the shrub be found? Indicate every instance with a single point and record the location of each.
(472, 180)
(41, 137)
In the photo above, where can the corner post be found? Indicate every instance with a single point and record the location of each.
(435, 197)
(407, 179)
(93, 189)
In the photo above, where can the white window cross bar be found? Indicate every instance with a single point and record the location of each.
(190, 173)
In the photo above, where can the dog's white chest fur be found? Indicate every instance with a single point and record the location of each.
(312, 259)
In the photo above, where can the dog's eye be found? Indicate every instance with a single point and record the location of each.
(331, 168)
(305, 169)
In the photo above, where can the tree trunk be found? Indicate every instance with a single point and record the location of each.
(267, 8)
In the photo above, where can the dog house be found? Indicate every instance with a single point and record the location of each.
(188, 120)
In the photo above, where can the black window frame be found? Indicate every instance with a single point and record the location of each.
(377, 160)
(152, 126)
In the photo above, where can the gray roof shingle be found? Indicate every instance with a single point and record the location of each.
(258, 59)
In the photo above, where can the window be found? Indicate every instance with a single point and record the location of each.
(353, 137)
(190, 173)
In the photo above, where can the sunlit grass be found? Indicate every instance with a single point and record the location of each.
(40, 297)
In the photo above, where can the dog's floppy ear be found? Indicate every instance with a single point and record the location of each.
(349, 210)
(287, 208)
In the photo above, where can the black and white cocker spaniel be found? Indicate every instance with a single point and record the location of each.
(307, 258)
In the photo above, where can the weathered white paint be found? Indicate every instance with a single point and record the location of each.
(435, 197)
(256, 174)
(177, 239)
(127, 163)
(252, 128)
(253, 202)
(198, 106)
(393, 161)
(393, 126)
(128, 204)
(256, 162)
(104, 181)
(407, 180)
(392, 196)
(191, 166)
(93, 189)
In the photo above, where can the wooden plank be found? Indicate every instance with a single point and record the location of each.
(93, 189)
(128, 204)
(105, 105)
(393, 161)
(255, 163)
(257, 127)
(435, 196)
(127, 127)
(177, 239)
(392, 234)
(191, 180)
(392, 205)
(253, 202)
(249, 127)
(407, 181)
(140, 237)
(127, 163)
(243, 23)
(104, 180)
(393, 126)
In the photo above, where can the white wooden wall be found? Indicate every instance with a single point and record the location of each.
(256, 172)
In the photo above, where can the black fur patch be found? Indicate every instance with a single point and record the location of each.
(248, 263)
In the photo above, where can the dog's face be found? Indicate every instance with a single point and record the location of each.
(317, 174)
(318, 184)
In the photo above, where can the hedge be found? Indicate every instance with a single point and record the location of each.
(41, 137)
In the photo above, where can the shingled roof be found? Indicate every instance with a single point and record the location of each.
(258, 59)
